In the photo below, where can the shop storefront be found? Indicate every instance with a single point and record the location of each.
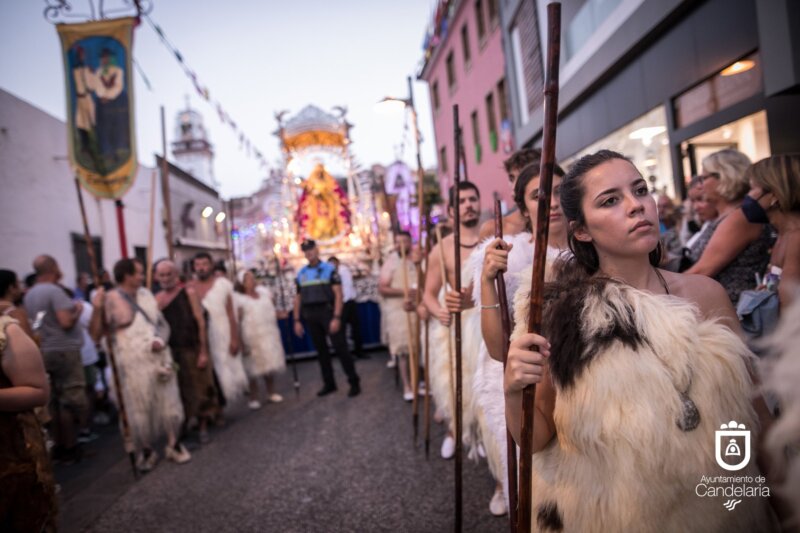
(669, 82)
(643, 140)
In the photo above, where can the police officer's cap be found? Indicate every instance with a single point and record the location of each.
(307, 245)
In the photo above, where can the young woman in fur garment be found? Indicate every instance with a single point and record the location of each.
(229, 368)
(262, 347)
(645, 365)
(144, 362)
(511, 256)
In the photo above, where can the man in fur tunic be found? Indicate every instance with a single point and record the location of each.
(182, 310)
(442, 371)
(398, 289)
(216, 295)
(147, 378)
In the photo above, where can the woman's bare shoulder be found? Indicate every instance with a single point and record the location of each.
(695, 287)
(705, 292)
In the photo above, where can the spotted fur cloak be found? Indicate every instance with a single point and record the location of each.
(488, 394)
(619, 461)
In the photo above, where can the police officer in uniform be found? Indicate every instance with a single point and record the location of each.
(319, 303)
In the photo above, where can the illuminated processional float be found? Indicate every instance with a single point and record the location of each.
(322, 197)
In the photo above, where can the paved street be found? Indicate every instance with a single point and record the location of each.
(309, 464)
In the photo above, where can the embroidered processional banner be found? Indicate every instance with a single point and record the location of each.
(99, 88)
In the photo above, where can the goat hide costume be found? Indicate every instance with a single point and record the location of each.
(623, 364)
(229, 369)
(153, 405)
(442, 374)
(487, 387)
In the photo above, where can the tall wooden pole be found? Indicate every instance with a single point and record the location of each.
(457, 316)
(450, 362)
(420, 272)
(410, 325)
(123, 239)
(149, 267)
(540, 256)
(427, 400)
(124, 426)
(165, 192)
(505, 319)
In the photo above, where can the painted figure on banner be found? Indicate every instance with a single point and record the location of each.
(99, 104)
(323, 211)
(97, 63)
(85, 112)
(112, 108)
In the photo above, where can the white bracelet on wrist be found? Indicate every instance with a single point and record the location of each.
(495, 306)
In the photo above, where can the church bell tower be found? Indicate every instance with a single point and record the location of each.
(191, 149)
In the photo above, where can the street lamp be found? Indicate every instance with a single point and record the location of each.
(408, 103)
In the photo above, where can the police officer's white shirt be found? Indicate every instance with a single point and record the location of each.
(348, 289)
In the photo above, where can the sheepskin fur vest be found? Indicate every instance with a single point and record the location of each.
(620, 360)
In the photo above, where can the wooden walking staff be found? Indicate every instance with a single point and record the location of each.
(409, 323)
(149, 267)
(505, 319)
(127, 439)
(420, 273)
(165, 191)
(457, 315)
(427, 401)
(450, 363)
(540, 255)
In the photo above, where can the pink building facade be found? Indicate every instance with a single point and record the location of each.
(464, 65)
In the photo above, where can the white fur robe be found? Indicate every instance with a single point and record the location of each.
(619, 461)
(488, 393)
(261, 339)
(442, 372)
(229, 369)
(152, 405)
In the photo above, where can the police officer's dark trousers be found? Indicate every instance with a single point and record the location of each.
(317, 319)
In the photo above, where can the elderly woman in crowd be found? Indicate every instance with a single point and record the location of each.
(774, 198)
(733, 250)
(697, 223)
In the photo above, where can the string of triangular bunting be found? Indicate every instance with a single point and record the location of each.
(202, 90)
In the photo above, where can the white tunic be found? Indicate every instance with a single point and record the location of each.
(261, 338)
(229, 369)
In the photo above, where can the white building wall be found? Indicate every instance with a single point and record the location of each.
(38, 203)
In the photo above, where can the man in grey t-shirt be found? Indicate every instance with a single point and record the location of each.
(56, 321)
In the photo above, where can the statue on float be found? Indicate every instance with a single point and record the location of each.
(323, 212)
